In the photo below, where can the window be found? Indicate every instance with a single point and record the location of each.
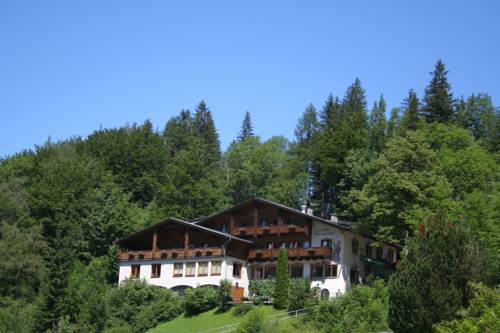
(325, 294)
(269, 272)
(324, 271)
(326, 243)
(379, 253)
(236, 270)
(354, 246)
(190, 268)
(203, 269)
(257, 273)
(216, 268)
(331, 271)
(368, 250)
(317, 271)
(224, 228)
(136, 271)
(296, 271)
(391, 256)
(155, 270)
(178, 269)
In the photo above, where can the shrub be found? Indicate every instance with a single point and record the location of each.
(257, 300)
(224, 294)
(199, 300)
(362, 309)
(300, 294)
(160, 311)
(254, 323)
(242, 309)
(264, 289)
(282, 281)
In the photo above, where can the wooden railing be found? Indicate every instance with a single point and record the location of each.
(269, 230)
(300, 252)
(171, 253)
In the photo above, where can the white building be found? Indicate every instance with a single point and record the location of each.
(241, 244)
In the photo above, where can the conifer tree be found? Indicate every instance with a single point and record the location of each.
(411, 117)
(204, 127)
(378, 125)
(331, 113)
(282, 282)
(307, 125)
(438, 99)
(394, 122)
(246, 128)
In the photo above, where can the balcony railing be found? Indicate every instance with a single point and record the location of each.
(269, 230)
(171, 253)
(297, 253)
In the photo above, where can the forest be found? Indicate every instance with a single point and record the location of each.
(394, 172)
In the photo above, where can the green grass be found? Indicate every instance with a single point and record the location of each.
(206, 320)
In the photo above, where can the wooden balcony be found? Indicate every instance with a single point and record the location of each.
(171, 253)
(297, 253)
(269, 230)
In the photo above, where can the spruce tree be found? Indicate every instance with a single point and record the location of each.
(282, 281)
(204, 127)
(307, 125)
(378, 125)
(411, 117)
(246, 128)
(431, 282)
(438, 99)
(394, 122)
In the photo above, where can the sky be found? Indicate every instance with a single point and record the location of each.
(68, 68)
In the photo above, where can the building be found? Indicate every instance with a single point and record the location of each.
(242, 244)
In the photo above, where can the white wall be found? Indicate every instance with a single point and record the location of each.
(167, 280)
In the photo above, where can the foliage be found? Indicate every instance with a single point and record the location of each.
(254, 323)
(264, 289)
(199, 300)
(482, 314)
(224, 294)
(363, 309)
(282, 281)
(242, 309)
(301, 294)
(438, 100)
(430, 284)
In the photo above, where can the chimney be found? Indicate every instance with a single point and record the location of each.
(303, 209)
(309, 211)
(334, 218)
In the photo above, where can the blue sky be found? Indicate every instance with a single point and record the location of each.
(69, 67)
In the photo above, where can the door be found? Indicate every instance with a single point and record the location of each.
(237, 293)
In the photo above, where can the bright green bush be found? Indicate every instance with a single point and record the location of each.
(264, 289)
(199, 300)
(362, 309)
(482, 315)
(242, 309)
(254, 323)
(301, 294)
(162, 310)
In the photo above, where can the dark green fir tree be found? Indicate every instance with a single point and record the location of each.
(282, 282)
(246, 128)
(438, 99)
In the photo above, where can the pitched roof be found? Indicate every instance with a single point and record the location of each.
(191, 225)
(344, 225)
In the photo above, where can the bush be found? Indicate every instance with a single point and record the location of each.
(242, 309)
(482, 315)
(264, 289)
(362, 309)
(257, 300)
(254, 323)
(300, 294)
(158, 312)
(224, 294)
(199, 300)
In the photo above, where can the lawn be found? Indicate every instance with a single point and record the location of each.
(204, 321)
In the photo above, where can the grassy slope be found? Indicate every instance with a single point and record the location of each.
(204, 321)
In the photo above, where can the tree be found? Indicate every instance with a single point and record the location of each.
(438, 99)
(204, 127)
(394, 123)
(282, 281)
(246, 128)
(430, 284)
(482, 314)
(406, 186)
(411, 115)
(378, 125)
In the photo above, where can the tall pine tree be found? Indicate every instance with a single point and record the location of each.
(246, 128)
(378, 125)
(438, 99)
(411, 116)
(204, 127)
